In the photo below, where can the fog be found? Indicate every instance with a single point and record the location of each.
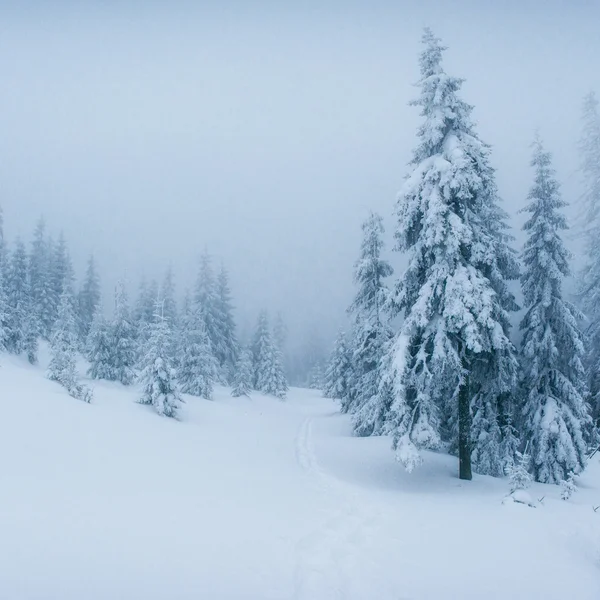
(262, 132)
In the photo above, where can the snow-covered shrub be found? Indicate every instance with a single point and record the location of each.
(568, 487)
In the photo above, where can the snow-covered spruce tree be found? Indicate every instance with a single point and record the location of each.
(143, 315)
(280, 337)
(62, 274)
(453, 353)
(589, 285)
(88, 299)
(568, 487)
(167, 294)
(205, 297)
(315, 377)
(338, 373)
(280, 332)
(4, 311)
(158, 378)
(63, 347)
(228, 352)
(242, 376)
(123, 340)
(518, 474)
(371, 331)
(3, 288)
(269, 377)
(197, 366)
(43, 299)
(169, 310)
(18, 297)
(556, 417)
(99, 347)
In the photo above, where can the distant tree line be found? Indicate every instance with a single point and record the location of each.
(169, 347)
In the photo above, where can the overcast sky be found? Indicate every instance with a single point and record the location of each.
(148, 131)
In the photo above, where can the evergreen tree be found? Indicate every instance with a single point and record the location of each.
(197, 365)
(18, 300)
(315, 377)
(99, 348)
(158, 377)
(123, 340)
(139, 312)
(167, 294)
(144, 310)
(453, 349)
(4, 308)
(62, 275)
(4, 315)
(89, 299)
(227, 351)
(280, 333)
(2, 240)
(568, 487)
(338, 373)
(268, 370)
(280, 337)
(63, 343)
(518, 472)
(242, 377)
(589, 147)
(43, 299)
(206, 305)
(371, 330)
(556, 416)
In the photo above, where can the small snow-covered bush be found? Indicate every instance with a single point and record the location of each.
(568, 487)
(518, 473)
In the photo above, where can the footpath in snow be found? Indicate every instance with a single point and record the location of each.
(260, 499)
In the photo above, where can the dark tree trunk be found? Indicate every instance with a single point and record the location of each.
(464, 431)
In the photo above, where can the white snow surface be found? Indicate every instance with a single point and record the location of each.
(261, 499)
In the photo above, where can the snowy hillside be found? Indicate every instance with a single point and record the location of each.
(260, 499)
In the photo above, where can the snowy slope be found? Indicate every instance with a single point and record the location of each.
(259, 499)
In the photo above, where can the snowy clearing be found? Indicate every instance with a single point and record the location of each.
(261, 499)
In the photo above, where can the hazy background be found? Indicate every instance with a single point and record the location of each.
(264, 132)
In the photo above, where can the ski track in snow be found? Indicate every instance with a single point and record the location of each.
(328, 556)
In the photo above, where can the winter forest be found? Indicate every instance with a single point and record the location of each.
(466, 370)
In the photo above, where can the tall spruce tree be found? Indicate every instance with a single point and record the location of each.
(62, 274)
(2, 240)
(4, 316)
(227, 351)
(280, 338)
(44, 302)
(242, 376)
(556, 417)
(589, 288)
(158, 377)
(196, 363)
(99, 347)
(371, 329)
(269, 377)
(4, 311)
(453, 353)
(167, 295)
(339, 370)
(20, 321)
(63, 344)
(123, 340)
(206, 304)
(143, 315)
(88, 299)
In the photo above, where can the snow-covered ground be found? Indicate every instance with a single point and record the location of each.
(260, 499)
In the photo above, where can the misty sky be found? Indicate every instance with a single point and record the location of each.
(263, 132)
